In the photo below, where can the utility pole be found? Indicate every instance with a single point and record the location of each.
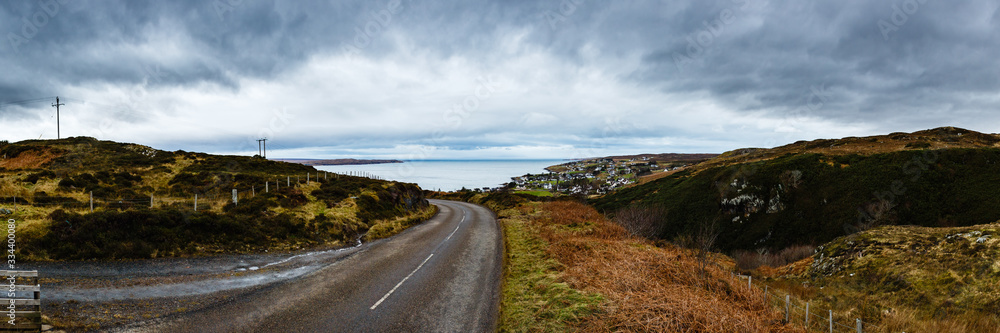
(262, 153)
(57, 116)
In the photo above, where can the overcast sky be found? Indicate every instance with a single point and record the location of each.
(495, 79)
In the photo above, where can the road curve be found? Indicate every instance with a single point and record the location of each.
(442, 275)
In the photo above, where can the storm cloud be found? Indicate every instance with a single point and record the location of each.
(494, 79)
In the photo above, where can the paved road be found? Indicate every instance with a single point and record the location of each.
(440, 276)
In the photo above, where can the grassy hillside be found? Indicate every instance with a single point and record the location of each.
(937, 138)
(144, 202)
(907, 278)
(813, 192)
(569, 269)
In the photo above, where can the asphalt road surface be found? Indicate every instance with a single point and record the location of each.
(442, 275)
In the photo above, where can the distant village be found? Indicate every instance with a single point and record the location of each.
(597, 176)
(589, 177)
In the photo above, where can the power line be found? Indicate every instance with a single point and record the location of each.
(57, 104)
(27, 101)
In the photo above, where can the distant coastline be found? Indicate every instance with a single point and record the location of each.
(339, 161)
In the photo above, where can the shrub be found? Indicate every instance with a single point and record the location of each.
(105, 184)
(291, 198)
(333, 191)
(257, 205)
(12, 151)
(35, 177)
(84, 181)
(43, 198)
(187, 183)
(135, 234)
(646, 222)
(748, 260)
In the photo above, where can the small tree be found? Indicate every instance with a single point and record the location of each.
(646, 222)
(879, 212)
(705, 242)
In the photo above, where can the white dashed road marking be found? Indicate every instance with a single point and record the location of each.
(401, 283)
(419, 266)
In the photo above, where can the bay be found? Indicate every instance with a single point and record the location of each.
(448, 175)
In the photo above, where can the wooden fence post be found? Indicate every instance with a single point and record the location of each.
(831, 321)
(749, 280)
(288, 181)
(234, 197)
(266, 189)
(807, 314)
(253, 191)
(91, 201)
(787, 299)
(196, 202)
(858, 320)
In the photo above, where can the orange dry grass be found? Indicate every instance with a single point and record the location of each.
(938, 138)
(794, 269)
(28, 160)
(647, 288)
(655, 176)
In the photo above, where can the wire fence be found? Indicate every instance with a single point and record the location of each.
(801, 312)
(208, 200)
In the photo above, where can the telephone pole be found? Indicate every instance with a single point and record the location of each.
(58, 136)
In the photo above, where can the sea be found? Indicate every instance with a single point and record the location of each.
(448, 175)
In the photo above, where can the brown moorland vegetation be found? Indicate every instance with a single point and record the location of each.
(80, 198)
(903, 278)
(937, 138)
(29, 159)
(646, 288)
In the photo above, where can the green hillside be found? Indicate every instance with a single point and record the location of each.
(144, 202)
(811, 196)
(904, 278)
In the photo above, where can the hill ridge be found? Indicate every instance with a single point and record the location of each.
(809, 192)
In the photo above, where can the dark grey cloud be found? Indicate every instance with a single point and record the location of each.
(663, 75)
